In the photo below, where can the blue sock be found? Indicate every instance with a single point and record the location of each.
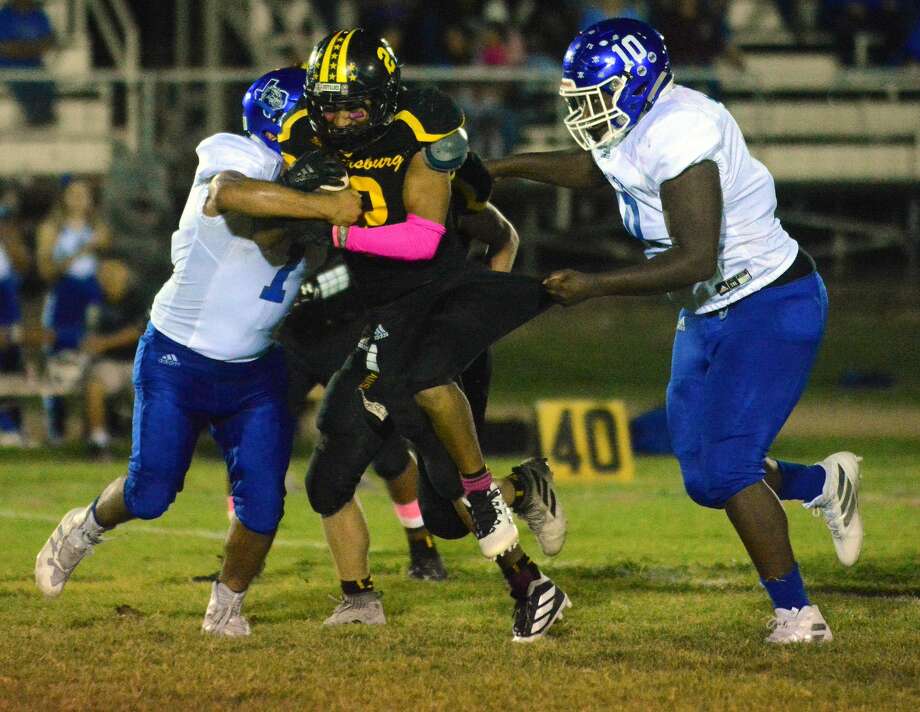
(804, 482)
(788, 591)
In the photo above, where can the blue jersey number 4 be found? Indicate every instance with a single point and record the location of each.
(274, 292)
(631, 219)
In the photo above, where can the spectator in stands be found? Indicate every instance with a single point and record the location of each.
(110, 346)
(911, 53)
(14, 261)
(880, 26)
(697, 33)
(69, 242)
(25, 37)
(597, 10)
(457, 49)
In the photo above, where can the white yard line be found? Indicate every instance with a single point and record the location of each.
(212, 535)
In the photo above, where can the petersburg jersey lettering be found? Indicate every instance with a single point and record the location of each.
(394, 162)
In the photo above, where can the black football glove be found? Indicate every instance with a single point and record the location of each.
(314, 170)
(473, 183)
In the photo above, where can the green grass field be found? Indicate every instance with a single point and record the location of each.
(667, 611)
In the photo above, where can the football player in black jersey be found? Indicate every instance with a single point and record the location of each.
(326, 322)
(428, 316)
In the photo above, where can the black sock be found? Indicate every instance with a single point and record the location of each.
(420, 542)
(350, 588)
(519, 575)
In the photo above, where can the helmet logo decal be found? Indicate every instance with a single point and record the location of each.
(631, 45)
(389, 61)
(333, 87)
(271, 98)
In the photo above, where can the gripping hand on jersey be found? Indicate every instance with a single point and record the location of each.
(570, 287)
(314, 170)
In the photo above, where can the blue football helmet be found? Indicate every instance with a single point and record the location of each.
(269, 98)
(612, 73)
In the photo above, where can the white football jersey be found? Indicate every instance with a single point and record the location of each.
(685, 127)
(224, 298)
(69, 242)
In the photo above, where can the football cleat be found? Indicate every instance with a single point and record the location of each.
(839, 503)
(799, 625)
(493, 524)
(539, 506)
(535, 614)
(427, 566)
(364, 607)
(65, 548)
(224, 615)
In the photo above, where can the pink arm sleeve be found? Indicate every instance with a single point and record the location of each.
(414, 239)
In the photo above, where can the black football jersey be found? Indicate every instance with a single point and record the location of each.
(378, 172)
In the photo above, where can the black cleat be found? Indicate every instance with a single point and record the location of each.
(427, 568)
(535, 614)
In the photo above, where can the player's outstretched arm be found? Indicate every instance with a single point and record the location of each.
(692, 203)
(570, 168)
(233, 192)
(489, 226)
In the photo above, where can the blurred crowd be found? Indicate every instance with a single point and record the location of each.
(534, 32)
(71, 311)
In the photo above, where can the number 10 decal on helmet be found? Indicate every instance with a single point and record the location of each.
(612, 74)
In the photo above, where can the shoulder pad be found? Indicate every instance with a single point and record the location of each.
(430, 113)
(664, 157)
(448, 153)
(231, 152)
(296, 136)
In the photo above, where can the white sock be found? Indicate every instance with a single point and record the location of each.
(227, 594)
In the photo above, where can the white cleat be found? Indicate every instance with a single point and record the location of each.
(799, 625)
(493, 524)
(535, 614)
(224, 615)
(839, 503)
(65, 548)
(540, 507)
(363, 608)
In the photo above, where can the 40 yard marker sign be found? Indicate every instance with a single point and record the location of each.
(585, 439)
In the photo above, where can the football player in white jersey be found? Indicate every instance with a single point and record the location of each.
(754, 308)
(207, 358)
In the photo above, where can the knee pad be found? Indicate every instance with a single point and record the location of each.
(443, 524)
(438, 513)
(147, 496)
(699, 490)
(259, 510)
(392, 458)
(334, 472)
(711, 484)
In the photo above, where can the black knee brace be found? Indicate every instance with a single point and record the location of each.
(439, 514)
(335, 470)
(350, 439)
(392, 458)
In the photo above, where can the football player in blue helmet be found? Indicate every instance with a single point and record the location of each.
(612, 74)
(754, 305)
(268, 99)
